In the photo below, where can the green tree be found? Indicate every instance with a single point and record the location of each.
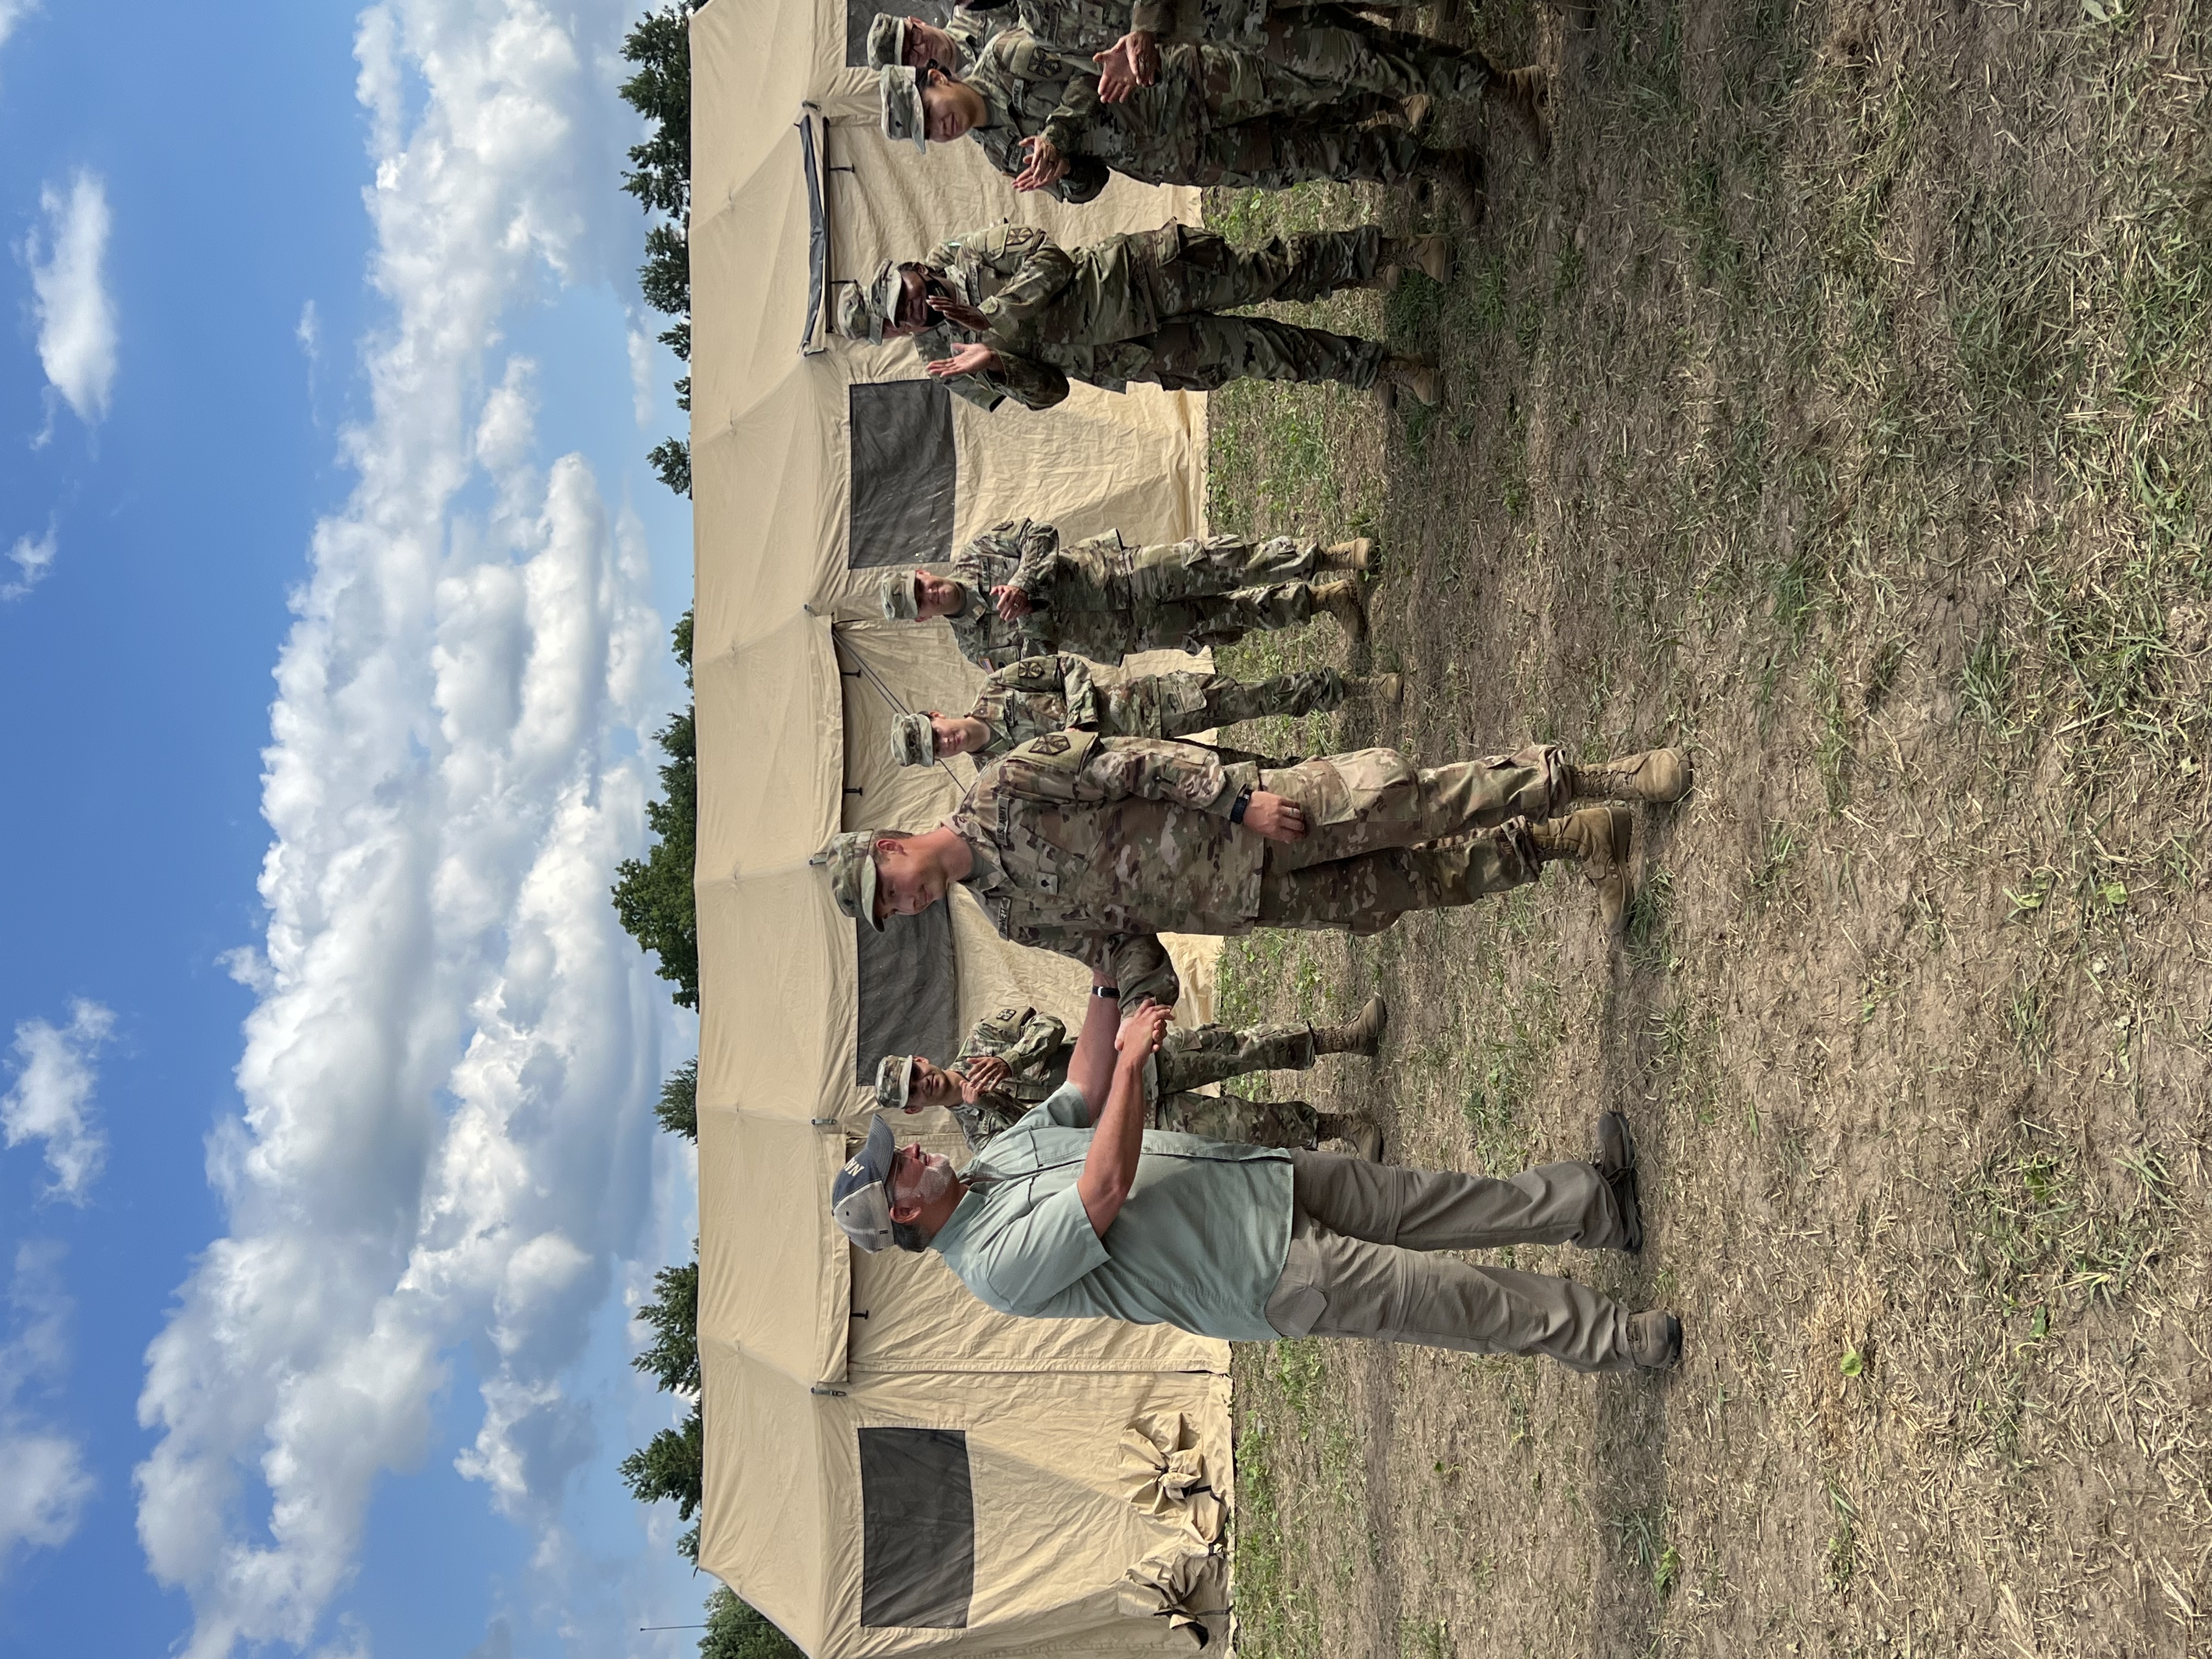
(659, 177)
(671, 1358)
(678, 1110)
(737, 1631)
(672, 1465)
(653, 894)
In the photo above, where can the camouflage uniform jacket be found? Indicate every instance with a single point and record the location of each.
(1039, 695)
(1081, 28)
(1090, 845)
(1053, 313)
(1156, 135)
(1073, 587)
(1035, 1049)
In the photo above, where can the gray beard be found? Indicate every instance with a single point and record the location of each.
(934, 1181)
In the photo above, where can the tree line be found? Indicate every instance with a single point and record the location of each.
(653, 894)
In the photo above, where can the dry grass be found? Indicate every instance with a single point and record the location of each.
(1833, 400)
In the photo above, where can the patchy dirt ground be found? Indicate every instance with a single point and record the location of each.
(1833, 400)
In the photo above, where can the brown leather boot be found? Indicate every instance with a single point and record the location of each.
(1656, 775)
(1361, 1034)
(1599, 840)
(1356, 555)
(1364, 1132)
(1458, 178)
(1346, 603)
(1431, 255)
(1523, 95)
(1383, 691)
(1410, 375)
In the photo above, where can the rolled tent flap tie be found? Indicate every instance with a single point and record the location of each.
(1167, 1474)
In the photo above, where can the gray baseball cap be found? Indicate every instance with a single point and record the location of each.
(913, 740)
(898, 90)
(894, 1081)
(851, 860)
(859, 1201)
(901, 602)
(887, 41)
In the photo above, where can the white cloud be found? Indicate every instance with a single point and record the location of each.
(32, 559)
(642, 367)
(309, 332)
(68, 291)
(445, 1138)
(51, 1099)
(13, 12)
(43, 1484)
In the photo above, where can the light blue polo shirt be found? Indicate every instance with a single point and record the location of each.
(1199, 1243)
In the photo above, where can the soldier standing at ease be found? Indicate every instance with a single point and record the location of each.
(1093, 846)
(1217, 115)
(1006, 313)
(1039, 694)
(1018, 1057)
(1016, 591)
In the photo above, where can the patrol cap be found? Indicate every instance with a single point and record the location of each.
(913, 740)
(859, 1200)
(865, 309)
(898, 89)
(894, 1080)
(887, 41)
(901, 598)
(851, 860)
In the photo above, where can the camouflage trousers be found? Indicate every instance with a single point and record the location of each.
(1204, 354)
(1225, 618)
(1208, 273)
(1383, 837)
(1204, 567)
(1286, 1123)
(1336, 52)
(1176, 705)
(1259, 123)
(1212, 1054)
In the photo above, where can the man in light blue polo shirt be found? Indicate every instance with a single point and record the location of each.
(1072, 1214)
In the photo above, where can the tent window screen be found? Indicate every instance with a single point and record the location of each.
(918, 1530)
(909, 992)
(904, 475)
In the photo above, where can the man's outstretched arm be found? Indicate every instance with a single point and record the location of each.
(1090, 1067)
(1118, 1139)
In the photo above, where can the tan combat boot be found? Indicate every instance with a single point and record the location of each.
(1431, 255)
(1356, 555)
(1656, 775)
(1364, 1132)
(1599, 839)
(1417, 111)
(1362, 1035)
(1458, 178)
(1411, 374)
(1345, 602)
(1383, 691)
(1523, 95)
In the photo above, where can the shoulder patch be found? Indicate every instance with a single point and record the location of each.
(1052, 742)
(1007, 1013)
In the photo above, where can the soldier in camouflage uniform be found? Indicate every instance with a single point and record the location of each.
(1005, 312)
(1017, 590)
(1039, 694)
(1331, 48)
(1093, 846)
(1217, 116)
(1017, 1057)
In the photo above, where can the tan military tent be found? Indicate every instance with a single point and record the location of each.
(890, 1467)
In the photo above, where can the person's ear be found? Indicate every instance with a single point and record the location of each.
(886, 844)
(906, 1214)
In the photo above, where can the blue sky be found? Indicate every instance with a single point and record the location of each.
(334, 597)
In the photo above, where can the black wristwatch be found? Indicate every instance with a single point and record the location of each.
(1112, 993)
(1244, 800)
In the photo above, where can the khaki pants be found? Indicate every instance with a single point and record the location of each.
(1360, 1262)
